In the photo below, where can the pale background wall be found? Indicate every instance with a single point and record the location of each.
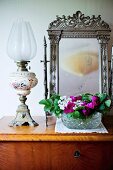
(40, 13)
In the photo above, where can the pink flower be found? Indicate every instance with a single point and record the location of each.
(96, 100)
(91, 105)
(83, 104)
(86, 111)
(74, 99)
(69, 108)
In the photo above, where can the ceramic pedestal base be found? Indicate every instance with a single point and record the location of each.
(19, 121)
(23, 117)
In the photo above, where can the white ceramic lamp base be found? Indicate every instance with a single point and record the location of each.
(22, 82)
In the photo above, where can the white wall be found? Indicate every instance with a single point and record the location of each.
(40, 13)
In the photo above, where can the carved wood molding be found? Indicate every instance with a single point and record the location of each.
(78, 21)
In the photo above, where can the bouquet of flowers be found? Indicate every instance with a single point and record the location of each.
(81, 106)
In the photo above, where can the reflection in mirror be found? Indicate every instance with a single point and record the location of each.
(78, 66)
(79, 54)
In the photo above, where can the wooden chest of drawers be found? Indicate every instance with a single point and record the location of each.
(40, 148)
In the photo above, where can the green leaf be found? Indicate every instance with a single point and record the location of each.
(76, 114)
(47, 109)
(86, 97)
(108, 103)
(102, 96)
(57, 113)
(69, 115)
(43, 102)
(56, 102)
(49, 100)
(46, 102)
(52, 110)
(55, 96)
(79, 108)
(102, 107)
(57, 107)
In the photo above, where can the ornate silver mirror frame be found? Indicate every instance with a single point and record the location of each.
(79, 26)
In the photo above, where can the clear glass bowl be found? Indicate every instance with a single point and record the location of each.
(88, 123)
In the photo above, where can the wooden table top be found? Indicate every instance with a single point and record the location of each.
(43, 133)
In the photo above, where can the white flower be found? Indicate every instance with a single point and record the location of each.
(69, 99)
(63, 98)
(74, 107)
(62, 104)
(79, 102)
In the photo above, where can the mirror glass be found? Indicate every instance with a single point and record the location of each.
(78, 66)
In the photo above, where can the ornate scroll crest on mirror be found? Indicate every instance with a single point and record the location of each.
(79, 26)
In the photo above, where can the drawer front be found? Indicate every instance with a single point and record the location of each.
(82, 156)
(56, 155)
